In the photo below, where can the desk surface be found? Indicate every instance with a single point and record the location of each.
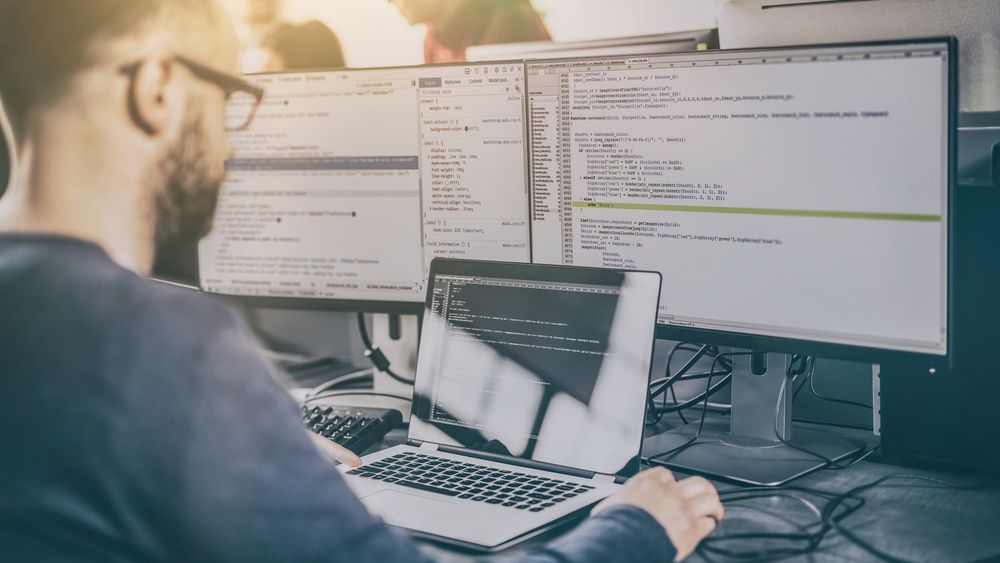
(913, 523)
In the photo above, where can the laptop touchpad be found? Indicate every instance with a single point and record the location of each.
(404, 509)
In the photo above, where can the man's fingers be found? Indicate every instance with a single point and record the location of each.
(695, 486)
(705, 526)
(344, 455)
(661, 473)
(707, 504)
(335, 451)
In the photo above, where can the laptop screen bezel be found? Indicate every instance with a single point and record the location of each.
(539, 272)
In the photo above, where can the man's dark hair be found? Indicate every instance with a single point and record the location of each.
(45, 43)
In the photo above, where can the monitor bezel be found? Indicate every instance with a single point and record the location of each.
(851, 352)
(386, 306)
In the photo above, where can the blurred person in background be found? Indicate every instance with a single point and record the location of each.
(302, 46)
(262, 17)
(455, 25)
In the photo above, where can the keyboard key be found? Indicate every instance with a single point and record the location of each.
(493, 501)
(465, 495)
(422, 487)
(509, 503)
(539, 496)
(536, 509)
(479, 498)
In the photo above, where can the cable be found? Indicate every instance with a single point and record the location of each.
(812, 388)
(699, 352)
(329, 394)
(806, 364)
(836, 523)
(358, 375)
(704, 409)
(831, 518)
(375, 355)
(673, 395)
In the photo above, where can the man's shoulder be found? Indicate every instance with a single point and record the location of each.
(73, 283)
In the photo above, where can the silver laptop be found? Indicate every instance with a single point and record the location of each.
(528, 403)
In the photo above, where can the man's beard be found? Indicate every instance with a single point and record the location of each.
(184, 208)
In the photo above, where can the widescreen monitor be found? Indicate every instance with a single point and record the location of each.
(794, 199)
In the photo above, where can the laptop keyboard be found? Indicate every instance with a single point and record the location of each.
(469, 481)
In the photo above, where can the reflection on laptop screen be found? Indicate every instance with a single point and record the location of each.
(551, 371)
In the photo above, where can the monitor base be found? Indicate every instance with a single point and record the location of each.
(746, 460)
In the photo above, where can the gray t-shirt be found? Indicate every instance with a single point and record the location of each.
(138, 422)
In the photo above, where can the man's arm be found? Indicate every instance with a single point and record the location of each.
(254, 486)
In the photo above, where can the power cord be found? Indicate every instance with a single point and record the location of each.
(654, 413)
(360, 375)
(838, 507)
(804, 366)
(812, 388)
(655, 459)
(375, 354)
(330, 394)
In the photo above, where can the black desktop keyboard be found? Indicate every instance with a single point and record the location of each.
(355, 428)
(470, 481)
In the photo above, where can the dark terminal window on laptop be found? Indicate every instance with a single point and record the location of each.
(547, 371)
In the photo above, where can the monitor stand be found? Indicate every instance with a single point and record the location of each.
(749, 453)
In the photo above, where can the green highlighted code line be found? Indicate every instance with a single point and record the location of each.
(863, 215)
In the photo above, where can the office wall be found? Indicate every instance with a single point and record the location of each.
(374, 34)
(581, 20)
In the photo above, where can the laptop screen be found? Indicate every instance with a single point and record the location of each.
(545, 363)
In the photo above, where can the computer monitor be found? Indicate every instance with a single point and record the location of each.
(795, 199)
(660, 43)
(349, 182)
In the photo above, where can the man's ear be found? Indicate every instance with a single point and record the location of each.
(153, 103)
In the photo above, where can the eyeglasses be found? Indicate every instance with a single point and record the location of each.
(242, 97)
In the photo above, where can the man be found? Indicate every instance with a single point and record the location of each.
(138, 423)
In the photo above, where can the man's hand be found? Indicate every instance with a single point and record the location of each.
(334, 451)
(688, 510)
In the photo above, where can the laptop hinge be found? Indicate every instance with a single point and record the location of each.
(603, 478)
(429, 446)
